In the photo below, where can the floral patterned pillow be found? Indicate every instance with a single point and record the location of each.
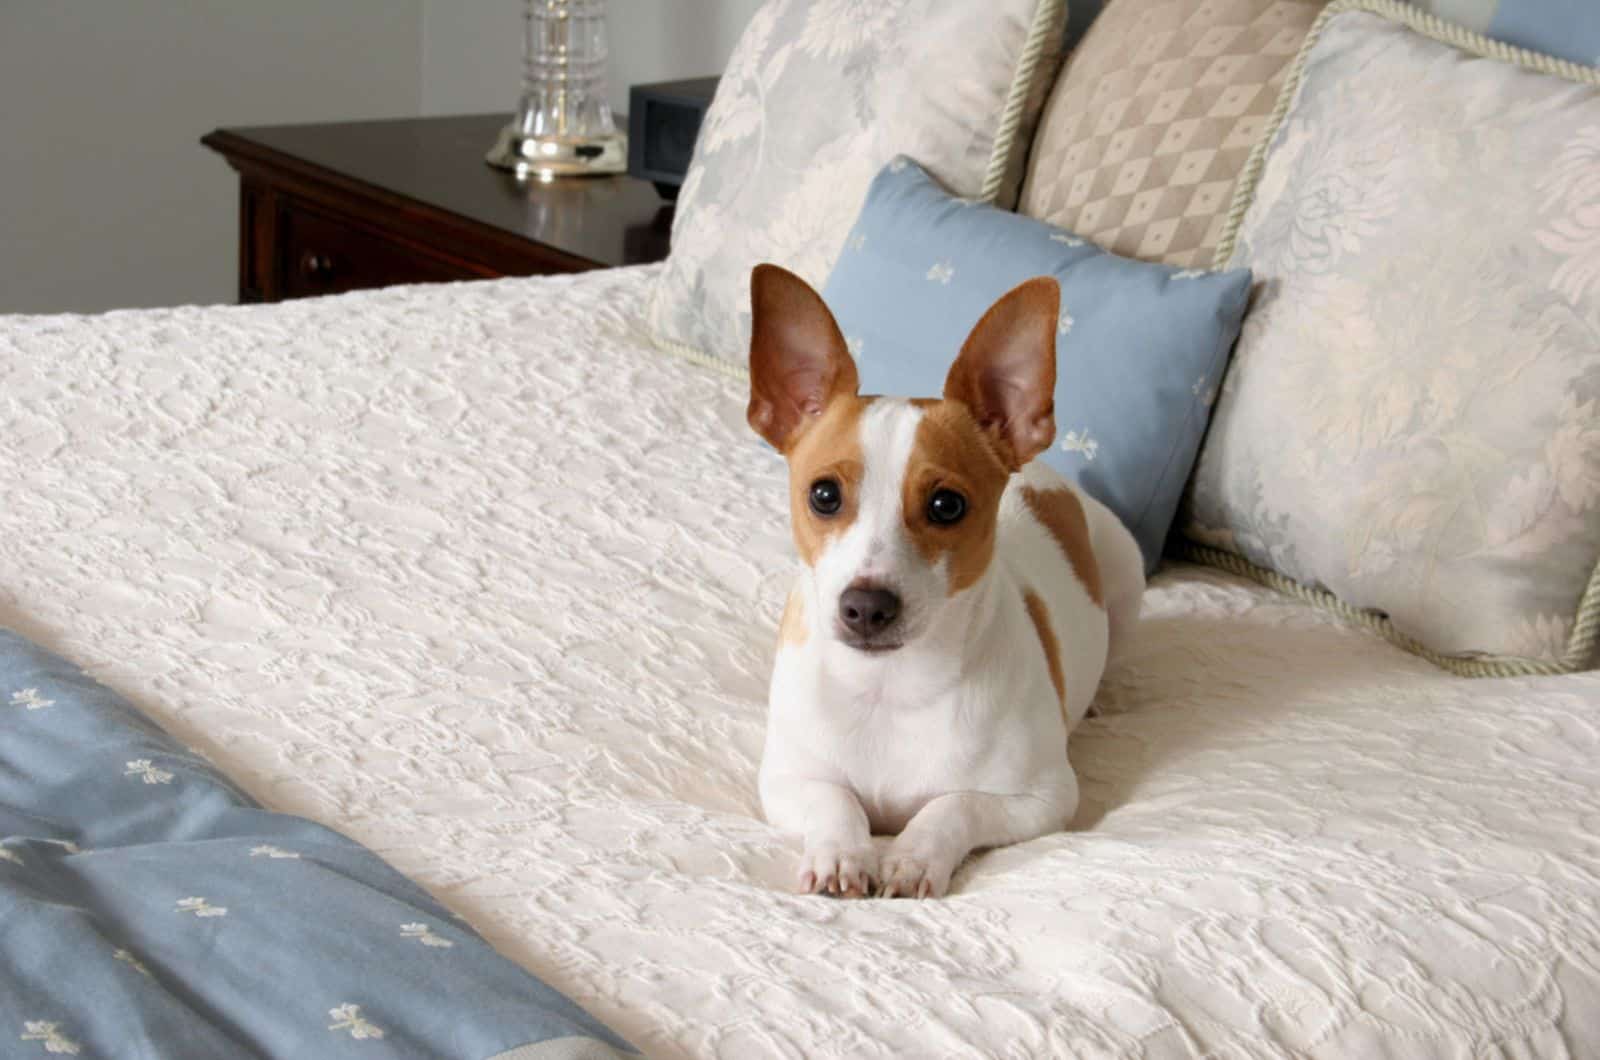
(818, 95)
(1412, 419)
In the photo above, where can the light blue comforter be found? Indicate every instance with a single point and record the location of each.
(149, 908)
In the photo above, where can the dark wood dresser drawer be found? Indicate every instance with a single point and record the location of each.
(322, 254)
(339, 207)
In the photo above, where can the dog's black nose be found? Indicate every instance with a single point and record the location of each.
(866, 612)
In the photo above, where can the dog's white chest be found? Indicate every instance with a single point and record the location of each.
(897, 755)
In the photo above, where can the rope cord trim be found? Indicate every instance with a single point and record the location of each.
(1044, 41)
(694, 356)
(1375, 621)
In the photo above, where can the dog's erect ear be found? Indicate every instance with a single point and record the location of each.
(1006, 373)
(798, 358)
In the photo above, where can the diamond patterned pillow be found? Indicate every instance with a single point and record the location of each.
(1154, 116)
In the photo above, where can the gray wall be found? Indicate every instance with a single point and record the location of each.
(108, 200)
(472, 51)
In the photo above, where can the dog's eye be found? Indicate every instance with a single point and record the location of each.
(826, 497)
(946, 506)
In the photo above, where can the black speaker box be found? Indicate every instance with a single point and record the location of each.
(663, 121)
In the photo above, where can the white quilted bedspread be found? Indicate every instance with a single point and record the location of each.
(471, 574)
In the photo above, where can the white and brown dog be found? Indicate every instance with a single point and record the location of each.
(955, 610)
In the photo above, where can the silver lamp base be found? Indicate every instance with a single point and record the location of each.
(555, 156)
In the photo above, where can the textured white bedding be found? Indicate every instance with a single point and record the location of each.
(471, 574)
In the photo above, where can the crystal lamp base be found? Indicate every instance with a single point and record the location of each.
(558, 156)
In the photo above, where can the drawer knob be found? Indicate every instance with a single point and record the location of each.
(314, 266)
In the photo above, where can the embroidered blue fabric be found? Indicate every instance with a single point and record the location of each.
(148, 907)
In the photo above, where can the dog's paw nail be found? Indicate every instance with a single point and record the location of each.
(914, 874)
(839, 870)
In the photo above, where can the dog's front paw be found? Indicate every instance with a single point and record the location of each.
(848, 871)
(916, 870)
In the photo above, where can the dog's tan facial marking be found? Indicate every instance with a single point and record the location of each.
(792, 630)
(951, 452)
(1061, 513)
(1047, 640)
(828, 448)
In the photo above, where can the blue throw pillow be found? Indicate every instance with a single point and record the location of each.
(1140, 347)
(1567, 29)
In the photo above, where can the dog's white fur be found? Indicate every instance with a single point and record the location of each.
(956, 740)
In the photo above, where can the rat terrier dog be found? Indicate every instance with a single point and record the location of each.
(956, 606)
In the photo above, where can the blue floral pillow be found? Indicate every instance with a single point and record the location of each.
(1140, 347)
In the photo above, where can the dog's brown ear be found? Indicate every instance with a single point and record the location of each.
(798, 358)
(1006, 373)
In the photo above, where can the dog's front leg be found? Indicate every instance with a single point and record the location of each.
(839, 857)
(923, 856)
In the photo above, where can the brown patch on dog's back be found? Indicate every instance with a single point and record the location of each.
(1061, 513)
(828, 447)
(952, 452)
(792, 630)
(1047, 640)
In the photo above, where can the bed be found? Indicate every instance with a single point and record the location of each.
(475, 576)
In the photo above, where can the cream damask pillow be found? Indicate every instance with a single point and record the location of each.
(1412, 418)
(1153, 117)
(818, 96)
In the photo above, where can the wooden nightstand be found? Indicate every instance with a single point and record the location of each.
(326, 208)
